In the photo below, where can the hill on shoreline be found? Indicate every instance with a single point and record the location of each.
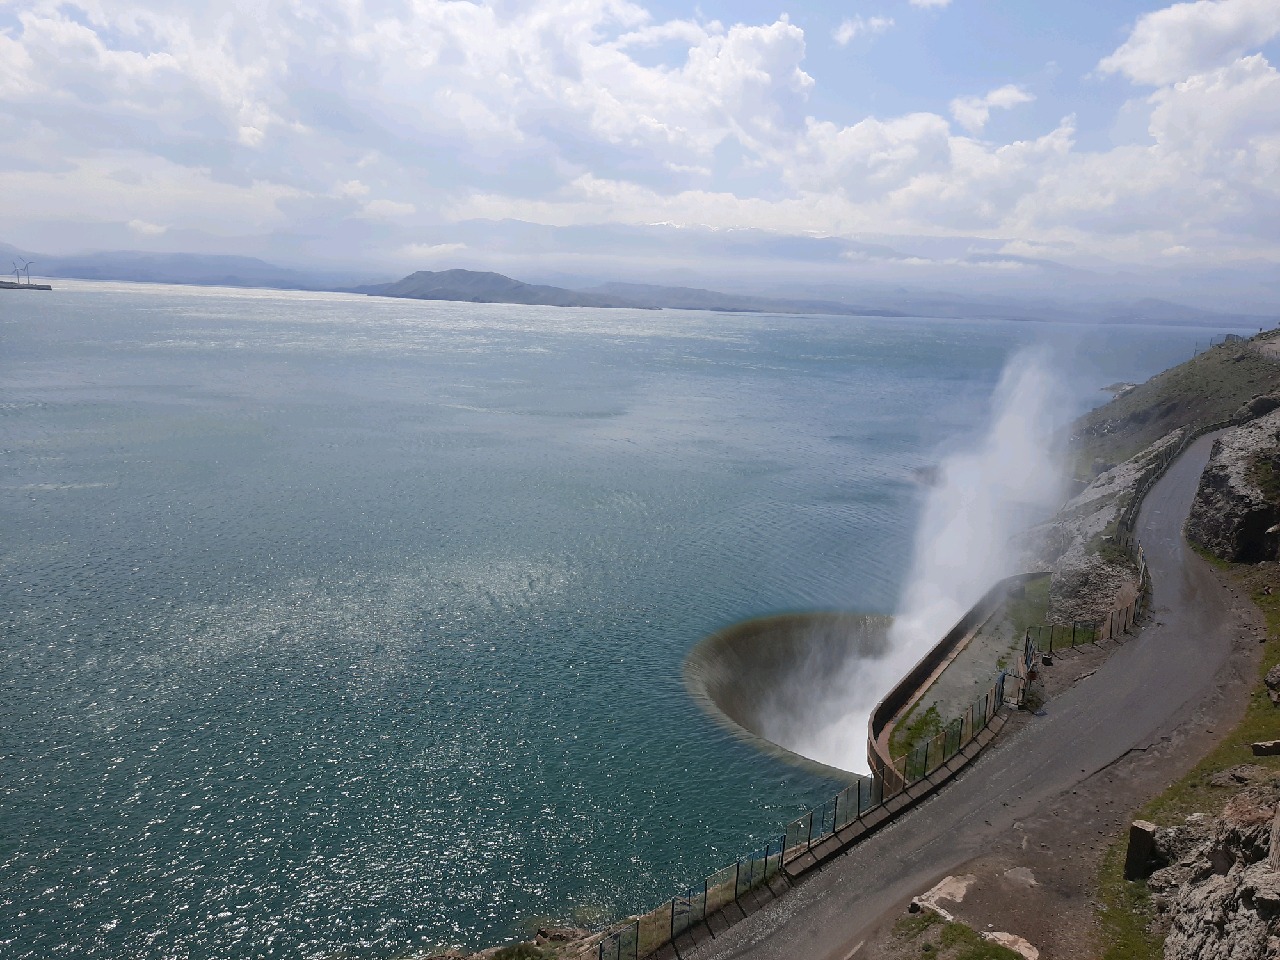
(847, 298)
(472, 286)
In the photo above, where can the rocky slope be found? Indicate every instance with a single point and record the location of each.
(1092, 574)
(1233, 516)
(1219, 894)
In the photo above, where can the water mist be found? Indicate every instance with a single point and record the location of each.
(986, 494)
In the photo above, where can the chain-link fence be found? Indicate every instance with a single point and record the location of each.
(646, 934)
(924, 759)
(1051, 638)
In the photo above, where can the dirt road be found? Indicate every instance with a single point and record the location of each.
(1136, 701)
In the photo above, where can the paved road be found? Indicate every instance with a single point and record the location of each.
(1142, 692)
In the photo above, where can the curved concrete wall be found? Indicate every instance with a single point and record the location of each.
(911, 687)
(763, 678)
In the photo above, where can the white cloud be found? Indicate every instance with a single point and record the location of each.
(1187, 38)
(972, 113)
(856, 26)
(388, 209)
(361, 122)
(351, 188)
(146, 229)
(430, 251)
(930, 4)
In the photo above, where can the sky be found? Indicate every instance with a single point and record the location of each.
(1137, 134)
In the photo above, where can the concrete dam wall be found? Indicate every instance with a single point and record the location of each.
(763, 678)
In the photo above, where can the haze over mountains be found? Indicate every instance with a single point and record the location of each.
(676, 268)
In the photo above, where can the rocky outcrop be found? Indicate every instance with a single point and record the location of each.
(1257, 407)
(1232, 516)
(1219, 893)
(569, 943)
(1272, 683)
(1092, 575)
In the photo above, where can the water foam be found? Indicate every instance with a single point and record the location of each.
(986, 493)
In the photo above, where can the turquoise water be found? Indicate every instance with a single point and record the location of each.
(335, 626)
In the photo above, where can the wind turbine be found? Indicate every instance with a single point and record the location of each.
(26, 266)
(17, 274)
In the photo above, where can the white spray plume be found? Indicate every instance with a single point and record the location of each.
(985, 495)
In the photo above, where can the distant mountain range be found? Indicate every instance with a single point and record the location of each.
(847, 298)
(484, 287)
(197, 269)
(693, 298)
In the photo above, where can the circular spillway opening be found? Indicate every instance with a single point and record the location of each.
(788, 683)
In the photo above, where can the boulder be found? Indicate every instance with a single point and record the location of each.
(1257, 407)
(561, 935)
(1266, 748)
(1140, 858)
(1273, 856)
(1239, 776)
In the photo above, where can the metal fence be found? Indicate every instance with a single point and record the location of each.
(845, 812)
(646, 934)
(925, 758)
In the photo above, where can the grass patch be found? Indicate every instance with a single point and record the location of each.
(1105, 546)
(966, 944)
(1126, 912)
(1030, 609)
(1265, 472)
(914, 730)
(947, 941)
(914, 924)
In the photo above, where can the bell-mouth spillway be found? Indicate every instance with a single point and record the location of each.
(762, 678)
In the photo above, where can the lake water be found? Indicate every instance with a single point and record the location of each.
(336, 626)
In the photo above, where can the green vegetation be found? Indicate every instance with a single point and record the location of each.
(1126, 909)
(1108, 548)
(1204, 390)
(914, 924)
(1030, 609)
(1126, 912)
(915, 730)
(968, 945)
(1265, 472)
(947, 941)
